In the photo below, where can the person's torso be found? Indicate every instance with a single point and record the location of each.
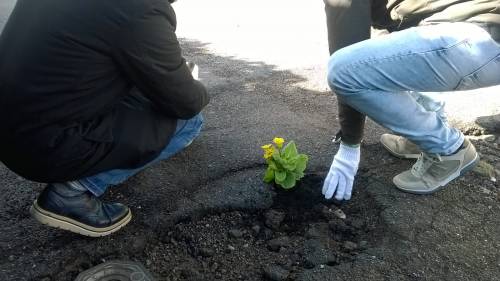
(60, 84)
(56, 61)
(404, 13)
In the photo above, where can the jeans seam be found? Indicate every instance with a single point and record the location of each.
(460, 83)
(358, 64)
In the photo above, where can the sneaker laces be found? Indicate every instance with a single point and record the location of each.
(424, 162)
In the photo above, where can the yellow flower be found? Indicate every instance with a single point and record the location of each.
(267, 146)
(279, 142)
(268, 150)
(268, 153)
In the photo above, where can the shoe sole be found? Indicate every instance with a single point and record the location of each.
(460, 173)
(398, 155)
(48, 218)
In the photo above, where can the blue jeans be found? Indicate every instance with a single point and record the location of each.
(384, 77)
(185, 133)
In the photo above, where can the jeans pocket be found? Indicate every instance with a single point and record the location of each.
(485, 76)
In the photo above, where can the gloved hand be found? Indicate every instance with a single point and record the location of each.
(341, 175)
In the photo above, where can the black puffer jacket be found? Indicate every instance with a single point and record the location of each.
(66, 68)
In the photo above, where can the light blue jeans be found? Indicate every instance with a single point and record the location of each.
(186, 131)
(384, 77)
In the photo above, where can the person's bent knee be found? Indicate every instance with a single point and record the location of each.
(338, 75)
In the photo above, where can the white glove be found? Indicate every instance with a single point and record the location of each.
(341, 175)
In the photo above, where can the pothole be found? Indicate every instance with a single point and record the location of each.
(300, 231)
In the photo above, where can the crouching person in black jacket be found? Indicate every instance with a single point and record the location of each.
(91, 92)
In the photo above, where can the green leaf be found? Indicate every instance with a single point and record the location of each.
(280, 162)
(272, 164)
(298, 175)
(289, 181)
(280, 175)
(269, 176)
(301, 164)
(290, 150)
(289, 164)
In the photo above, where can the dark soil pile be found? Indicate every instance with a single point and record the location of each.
(301, 231)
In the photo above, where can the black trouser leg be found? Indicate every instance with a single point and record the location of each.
(348, 22)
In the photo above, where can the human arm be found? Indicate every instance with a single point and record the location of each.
(149, 55)
(348, 22)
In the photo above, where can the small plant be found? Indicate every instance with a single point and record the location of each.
(285, 165)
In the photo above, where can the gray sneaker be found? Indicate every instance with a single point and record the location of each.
(400, 146)
(432, 172)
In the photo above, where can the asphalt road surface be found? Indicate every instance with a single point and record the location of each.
(264, 63)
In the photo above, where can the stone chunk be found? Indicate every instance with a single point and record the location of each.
(276, 273)
(274, 219)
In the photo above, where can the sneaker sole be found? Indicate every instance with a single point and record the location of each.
(48, 218)
(398, 155)
(460, 173)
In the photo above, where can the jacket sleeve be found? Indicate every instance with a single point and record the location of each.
(149, 55)
(346, 25)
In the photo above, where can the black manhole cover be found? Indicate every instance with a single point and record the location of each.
(116, 271)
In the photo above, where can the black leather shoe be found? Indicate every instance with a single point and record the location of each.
(72, 208)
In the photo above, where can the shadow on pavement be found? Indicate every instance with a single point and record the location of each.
(251, 103)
